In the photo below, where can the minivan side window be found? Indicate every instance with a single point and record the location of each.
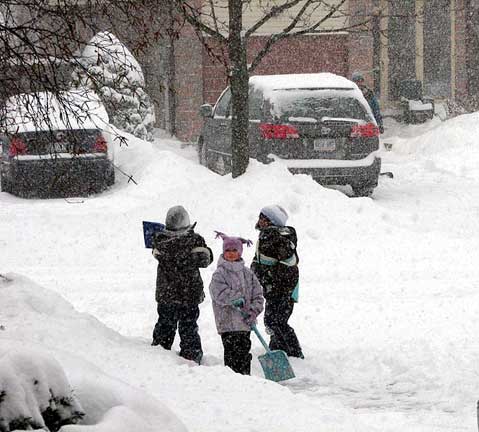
(222, 107)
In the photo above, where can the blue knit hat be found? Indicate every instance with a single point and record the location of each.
(357, 76)
(276, 214)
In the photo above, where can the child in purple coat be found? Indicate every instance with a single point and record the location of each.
(237, 301)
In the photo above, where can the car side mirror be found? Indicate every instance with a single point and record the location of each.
(206, 110)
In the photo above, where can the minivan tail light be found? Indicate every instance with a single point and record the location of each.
(17, 147)
(100, 145)
(368, 130)
(278, 131)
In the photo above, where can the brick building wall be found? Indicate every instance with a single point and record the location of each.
(303, 54)
(188, 84)
(361, 40)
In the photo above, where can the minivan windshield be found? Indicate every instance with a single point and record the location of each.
(314, 104)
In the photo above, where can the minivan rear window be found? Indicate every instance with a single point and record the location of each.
(316, 104)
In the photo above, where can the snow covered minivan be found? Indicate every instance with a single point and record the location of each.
(317, 124)
(55, 145)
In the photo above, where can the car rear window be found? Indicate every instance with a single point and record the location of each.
(316, 104)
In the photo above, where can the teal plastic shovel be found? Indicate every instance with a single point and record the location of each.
(275, 363)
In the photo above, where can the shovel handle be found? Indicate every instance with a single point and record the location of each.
(263, 342)
(255, 329)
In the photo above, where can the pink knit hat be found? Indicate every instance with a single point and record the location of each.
(233, 243)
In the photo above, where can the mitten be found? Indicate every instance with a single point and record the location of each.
(249, 318)
(238, 303)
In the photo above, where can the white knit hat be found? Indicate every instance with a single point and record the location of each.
(276, 214)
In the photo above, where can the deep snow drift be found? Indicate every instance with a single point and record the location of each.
(388, 301)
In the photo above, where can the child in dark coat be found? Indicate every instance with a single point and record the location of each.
(276, 266)
(179, 288)
(237, 301)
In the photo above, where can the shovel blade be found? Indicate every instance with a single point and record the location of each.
(276, 366)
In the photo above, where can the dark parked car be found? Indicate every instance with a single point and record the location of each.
(55, 149)
(318, 124)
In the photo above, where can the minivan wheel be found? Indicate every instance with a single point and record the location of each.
(363, 191)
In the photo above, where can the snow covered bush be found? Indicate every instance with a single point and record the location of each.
(109, 68)
(35, 393)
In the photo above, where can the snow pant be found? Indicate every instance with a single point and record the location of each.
(237, 345)
(276, 315)
(173, 316)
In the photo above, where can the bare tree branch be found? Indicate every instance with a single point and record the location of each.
(193, 17)
(273, 13)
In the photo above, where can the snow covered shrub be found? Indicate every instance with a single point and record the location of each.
(109, 68)
(35, 393)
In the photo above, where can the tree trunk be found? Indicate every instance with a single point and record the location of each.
(376, 32)
(170, 96)
(239, 89)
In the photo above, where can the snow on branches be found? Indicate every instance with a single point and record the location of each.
(109, 68)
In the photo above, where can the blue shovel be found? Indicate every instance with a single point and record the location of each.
(275, 363)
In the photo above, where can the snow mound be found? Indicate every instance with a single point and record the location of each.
(49, 325)
(449, 146)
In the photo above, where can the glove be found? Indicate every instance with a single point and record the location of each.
(238, 303)
(249, 319)
(155, 252)
(381, 129)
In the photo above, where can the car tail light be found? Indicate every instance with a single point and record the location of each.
(278, 131)
(17, 147)
(368, 130)
(101, 145)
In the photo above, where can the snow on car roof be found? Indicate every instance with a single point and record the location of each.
(301, 81)
(73, 109)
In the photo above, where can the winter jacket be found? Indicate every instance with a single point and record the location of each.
(374, 104)
(180, 255)
(230, 281)
(276, 261)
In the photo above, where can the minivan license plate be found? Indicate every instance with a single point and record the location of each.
(61, 147)
(325, 144)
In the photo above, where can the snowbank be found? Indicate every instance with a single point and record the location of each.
(450, 146)
(39, 324)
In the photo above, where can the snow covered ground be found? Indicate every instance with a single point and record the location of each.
(388, 301)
